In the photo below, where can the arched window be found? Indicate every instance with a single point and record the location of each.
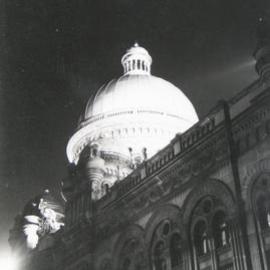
(167, 246)
(210, 232)
(201, 239)
(176, 250)
(220, 230)
(263, 212)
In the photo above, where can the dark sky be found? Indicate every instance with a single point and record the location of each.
(55, 53)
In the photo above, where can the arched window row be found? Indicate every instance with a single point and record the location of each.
(171, 248)
(208, 235)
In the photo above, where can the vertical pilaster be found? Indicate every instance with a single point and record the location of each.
(237, 185)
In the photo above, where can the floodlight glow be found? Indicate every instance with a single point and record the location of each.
(9, 262)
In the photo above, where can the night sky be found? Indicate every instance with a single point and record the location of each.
(54, 54)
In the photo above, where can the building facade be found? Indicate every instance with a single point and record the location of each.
(151, 187)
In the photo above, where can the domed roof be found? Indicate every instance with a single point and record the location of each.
(141, 92)
(136, 111)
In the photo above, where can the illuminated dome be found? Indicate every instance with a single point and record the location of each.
(142, 92)
(134, 116)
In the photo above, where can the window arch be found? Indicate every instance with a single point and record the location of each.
(167, 247)
(209, 233)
